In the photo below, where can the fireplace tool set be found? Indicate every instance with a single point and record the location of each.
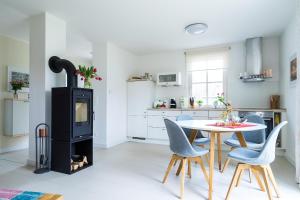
(42, 145)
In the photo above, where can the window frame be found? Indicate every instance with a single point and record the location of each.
(190, 83)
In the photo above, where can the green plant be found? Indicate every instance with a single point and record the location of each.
(200, 102)
(221, 99)
(16, 85)
(228, 108)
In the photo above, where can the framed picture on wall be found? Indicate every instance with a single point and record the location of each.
(293, 69)
(20, 74)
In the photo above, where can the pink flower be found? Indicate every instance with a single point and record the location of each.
(95, 70)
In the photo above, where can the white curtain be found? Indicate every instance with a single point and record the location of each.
(202, 59)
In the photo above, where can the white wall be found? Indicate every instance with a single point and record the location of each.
(47, 38)
(110, 101)
(288, 90)
(290, 46)
(173, 61)
(120, 65)
(12, 53)
(100, 95)
(253, 95)
(239, 93)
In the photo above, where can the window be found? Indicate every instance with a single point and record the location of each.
(206, 71)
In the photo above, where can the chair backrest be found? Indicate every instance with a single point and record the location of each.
(259, 136)
(186, 130)
(183, 117)
(179, 142)
(267, 155)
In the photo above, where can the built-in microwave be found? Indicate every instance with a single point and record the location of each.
(169, 79)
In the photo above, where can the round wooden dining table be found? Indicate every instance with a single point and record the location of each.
(215, 132)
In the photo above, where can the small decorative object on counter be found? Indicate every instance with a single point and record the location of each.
(42, 146)
(200, 102)
(275, 101)
(192, 102)
(183, 102)
(146, 77)
(16, 85)
(87, 74)
(160, 104)
(173, 103)
(227, 114)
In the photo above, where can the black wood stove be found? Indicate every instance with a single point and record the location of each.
(72, 121)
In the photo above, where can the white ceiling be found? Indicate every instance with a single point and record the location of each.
(147, 26)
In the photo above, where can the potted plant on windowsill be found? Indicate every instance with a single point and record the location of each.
(16, 85)
(87, 74)
(200, 102)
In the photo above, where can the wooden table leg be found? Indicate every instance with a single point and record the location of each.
(241, 139)
(193, 135)
(211, 163)
(219, 151)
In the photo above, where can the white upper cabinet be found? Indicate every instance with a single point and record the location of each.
(16, 117)
(140, 97)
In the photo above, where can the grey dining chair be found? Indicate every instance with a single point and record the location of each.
(200, 140)
(184, 151)
(254, 139)
(257, 162)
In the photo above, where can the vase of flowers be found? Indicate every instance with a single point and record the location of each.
(227, 114)
(16, 85)
(87, 74)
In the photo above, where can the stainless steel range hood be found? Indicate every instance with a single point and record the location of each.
(253, 71)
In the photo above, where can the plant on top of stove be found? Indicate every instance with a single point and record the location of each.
(87, 73)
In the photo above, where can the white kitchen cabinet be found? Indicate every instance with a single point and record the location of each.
(137, 126)
(16, 117)
(156, 124)
(198, 113)
(140, 97)
(157, 133)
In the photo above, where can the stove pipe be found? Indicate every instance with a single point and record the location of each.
(57, 65)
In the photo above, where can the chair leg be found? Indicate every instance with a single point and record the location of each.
(239, 178)
(264, 173)
(189, 168)
(179, 168)
(203, 168)
(234, 179)
(272, 178)
(207, 158)
(182, 178)
(250, 175)
(169, 168)
(225, 164)
(259, 182)
(175, 163)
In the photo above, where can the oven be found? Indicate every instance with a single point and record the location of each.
(266, 115)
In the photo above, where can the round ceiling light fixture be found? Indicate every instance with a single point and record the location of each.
(196, 28)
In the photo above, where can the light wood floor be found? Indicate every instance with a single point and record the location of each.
(135, 171)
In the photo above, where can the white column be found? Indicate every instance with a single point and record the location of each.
(47, 38)
(100, 95)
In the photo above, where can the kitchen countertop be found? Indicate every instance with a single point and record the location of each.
(219, 109)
